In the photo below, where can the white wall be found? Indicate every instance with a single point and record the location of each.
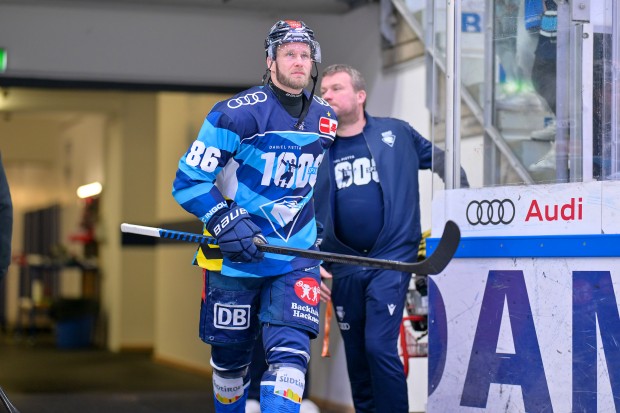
(177, 282)
(163, 45)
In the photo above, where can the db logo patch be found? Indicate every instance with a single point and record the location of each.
(308, 290)
(328, 126)
(231, 317)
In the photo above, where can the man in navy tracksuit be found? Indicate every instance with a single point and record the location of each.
(367, 200)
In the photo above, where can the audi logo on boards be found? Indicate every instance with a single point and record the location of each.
(249, 99)
(492, 212)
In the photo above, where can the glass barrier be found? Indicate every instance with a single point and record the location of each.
(538, 84)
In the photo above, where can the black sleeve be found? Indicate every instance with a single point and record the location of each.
(6, 223)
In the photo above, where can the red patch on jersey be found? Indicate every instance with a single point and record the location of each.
(308, 290)
(328, 126)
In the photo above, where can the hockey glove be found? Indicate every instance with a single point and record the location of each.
(235, 233)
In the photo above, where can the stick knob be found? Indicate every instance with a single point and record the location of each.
(259, 240)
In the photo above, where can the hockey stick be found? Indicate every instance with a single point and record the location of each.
(6, 402)
(434, 264)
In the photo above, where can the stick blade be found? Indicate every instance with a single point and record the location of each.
(443, 254)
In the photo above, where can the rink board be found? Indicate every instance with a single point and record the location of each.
(526, 318)
(525, 335)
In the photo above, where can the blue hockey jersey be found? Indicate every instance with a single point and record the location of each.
(249, 152)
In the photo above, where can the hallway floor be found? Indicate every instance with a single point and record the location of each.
(40, 378)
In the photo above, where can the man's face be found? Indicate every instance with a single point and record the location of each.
(337, 90)
(292, 67)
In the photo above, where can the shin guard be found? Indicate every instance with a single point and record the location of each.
(229, 393)
(281, 389)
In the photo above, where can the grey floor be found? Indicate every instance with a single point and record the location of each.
(40, 378)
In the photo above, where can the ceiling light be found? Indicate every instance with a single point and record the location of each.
(89, 190)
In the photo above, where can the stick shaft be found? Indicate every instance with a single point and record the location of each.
(432, 265)
(6, 402)
(167, 233)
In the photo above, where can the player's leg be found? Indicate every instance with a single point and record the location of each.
(384, 311)
(288, 354)
(229, 322)
(348, 298)
(230, 382)
(290, 317)
(258, 366)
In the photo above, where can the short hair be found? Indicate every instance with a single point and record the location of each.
(357, 80)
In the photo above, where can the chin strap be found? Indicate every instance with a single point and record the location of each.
(306, 107)
(267, 74)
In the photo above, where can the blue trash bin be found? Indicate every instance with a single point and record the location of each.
(75, 333)
(75, 321)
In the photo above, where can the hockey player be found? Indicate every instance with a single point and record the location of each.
(250, 174)
(368, 203)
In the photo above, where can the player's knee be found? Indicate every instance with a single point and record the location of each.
(289, 358)
(377, 349)
(287, 346)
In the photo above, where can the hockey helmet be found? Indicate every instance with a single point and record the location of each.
(291, 31)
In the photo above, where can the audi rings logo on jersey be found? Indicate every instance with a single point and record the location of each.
(492, 212)
(249, 99)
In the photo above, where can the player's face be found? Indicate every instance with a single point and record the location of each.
(337, 89)
(292, 67)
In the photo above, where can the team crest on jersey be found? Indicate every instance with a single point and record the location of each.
(284, 211)
(328, 126)
(388, 138)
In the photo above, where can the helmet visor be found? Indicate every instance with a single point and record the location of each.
(293, 37)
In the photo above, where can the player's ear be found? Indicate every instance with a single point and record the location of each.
(361, 96)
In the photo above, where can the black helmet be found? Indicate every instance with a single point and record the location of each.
(291, 31)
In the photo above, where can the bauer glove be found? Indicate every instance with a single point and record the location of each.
(235, 233)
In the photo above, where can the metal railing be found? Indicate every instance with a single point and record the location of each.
(425, 32)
